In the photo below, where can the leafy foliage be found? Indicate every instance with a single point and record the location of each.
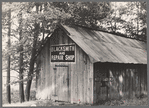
(128, 19)
(96, 15)
(84, 13)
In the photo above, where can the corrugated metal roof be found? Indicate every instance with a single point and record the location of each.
(106, 47)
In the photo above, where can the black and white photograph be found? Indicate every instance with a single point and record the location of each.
(74, 53)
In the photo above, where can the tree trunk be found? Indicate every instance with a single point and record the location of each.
(8, 68)
(32, 61)
(115, 19)
(138, 11)
(21, 85)
(33, 55)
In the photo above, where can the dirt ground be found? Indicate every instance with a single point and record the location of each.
(143, 101)
(130, 102)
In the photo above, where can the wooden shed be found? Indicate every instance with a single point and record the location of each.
(78, 64)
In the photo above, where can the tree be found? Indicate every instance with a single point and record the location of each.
(142, 15)
(44, 20)
(17, 63)
(113, 22)
(126, 18)
(84, 13)
(21, 85)
(136, 25)
(30, 31)
(31, 64)
(8, 68)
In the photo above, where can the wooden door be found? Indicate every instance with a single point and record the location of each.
(62, 83)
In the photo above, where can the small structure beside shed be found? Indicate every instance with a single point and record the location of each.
(78, 64)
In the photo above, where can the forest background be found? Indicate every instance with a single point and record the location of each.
(25, 26)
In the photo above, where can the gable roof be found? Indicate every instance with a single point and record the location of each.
(106, 47)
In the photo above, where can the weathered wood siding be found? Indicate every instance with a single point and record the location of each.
(84, 80)
(128, 81)
(41, 75)
(80, 73)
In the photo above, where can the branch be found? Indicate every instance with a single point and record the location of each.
(12, 76)
(23, 80)
(14, 36)
(11, 69)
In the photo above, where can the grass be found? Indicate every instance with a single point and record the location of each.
(126, 102)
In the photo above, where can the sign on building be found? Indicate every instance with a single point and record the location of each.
(63, 53)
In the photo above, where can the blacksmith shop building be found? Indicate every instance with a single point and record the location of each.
(77, 64)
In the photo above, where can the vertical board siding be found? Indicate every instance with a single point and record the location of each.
(91, 82)
(128, 81)
(133, 84)
(145, 69)
(80, 73)
(137, 82)
(85, 78)
(124, 80)
(120, 82)
(88, 76)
